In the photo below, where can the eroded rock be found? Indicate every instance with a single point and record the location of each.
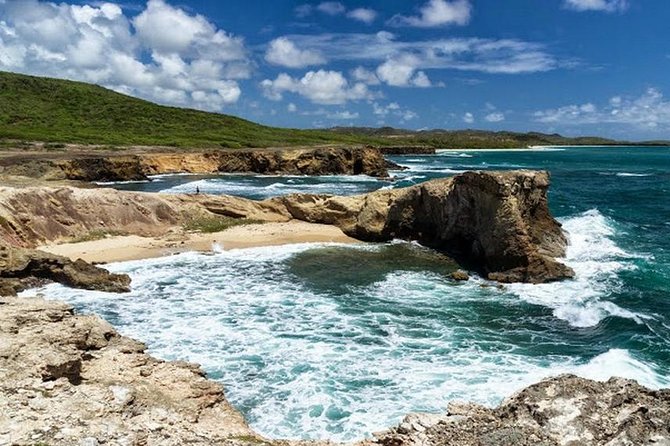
(60, 387)
(19, 268)
(566, 410)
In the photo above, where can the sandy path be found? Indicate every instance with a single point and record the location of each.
(133, 247)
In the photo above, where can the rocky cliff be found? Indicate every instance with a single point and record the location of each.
(495, 222)
(132, 167)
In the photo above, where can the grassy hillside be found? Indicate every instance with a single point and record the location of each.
(53, 110)
(60, 111)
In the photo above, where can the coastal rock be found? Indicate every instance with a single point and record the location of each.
(19, 268)
(565, 411)
(70, 379)
(495, 222)
(133, 167)
(460, 276)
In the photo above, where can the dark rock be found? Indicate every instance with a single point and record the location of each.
(20, 267)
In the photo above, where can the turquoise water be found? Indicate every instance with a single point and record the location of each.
(334, 341)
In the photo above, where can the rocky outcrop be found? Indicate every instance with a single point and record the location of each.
(495, 222)
(133, 167)
(73, 380)
(565, 411)
(20, 268)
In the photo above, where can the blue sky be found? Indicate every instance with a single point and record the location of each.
(570, 66)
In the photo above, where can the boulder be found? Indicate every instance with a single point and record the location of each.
(20, 268)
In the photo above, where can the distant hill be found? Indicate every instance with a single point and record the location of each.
(60, 111)
(455, 139)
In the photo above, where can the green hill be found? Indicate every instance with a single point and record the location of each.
(59, 111)
(54, 110)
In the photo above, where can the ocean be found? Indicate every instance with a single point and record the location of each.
(327, 341)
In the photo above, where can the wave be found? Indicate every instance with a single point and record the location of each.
(597, 261)
(628, 174)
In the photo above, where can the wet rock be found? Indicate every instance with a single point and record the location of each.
(460, 276)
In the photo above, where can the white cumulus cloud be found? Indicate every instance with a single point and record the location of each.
(282, 51)
(495, 117)
(650, 110)
(437, 13)
(320, 87)
(195, 64)
(402, 71)
(468, 118)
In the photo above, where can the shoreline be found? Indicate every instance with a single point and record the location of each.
(122, 248)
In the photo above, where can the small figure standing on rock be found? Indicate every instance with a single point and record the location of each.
(197, 190)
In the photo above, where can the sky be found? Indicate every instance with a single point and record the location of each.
(576, 67)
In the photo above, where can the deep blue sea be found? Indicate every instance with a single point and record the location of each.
(333, 341)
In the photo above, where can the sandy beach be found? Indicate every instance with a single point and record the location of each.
(133, 247)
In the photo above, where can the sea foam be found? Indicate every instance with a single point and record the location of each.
(597, 261)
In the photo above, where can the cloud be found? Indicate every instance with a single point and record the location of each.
(468, 118)
(401, 72)
(495, 117)
(343, 115)
(650, 110)
(364, 75)
(498, 56)
(320, 87)
(365, 15)
(282, 51)
(292, 108)
(437, 13)
(195, 65)
(597, 5)
(331, 8)
(393, 109)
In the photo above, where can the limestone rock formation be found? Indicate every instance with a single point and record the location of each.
(71, 380)
(19, 268)
(495, 222)
(132, 167)
(565, 411)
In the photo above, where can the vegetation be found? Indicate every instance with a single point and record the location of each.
(96, 234)
(57, 111)
(216, 224)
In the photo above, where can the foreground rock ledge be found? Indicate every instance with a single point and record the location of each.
(497, 223)
(71, 380)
